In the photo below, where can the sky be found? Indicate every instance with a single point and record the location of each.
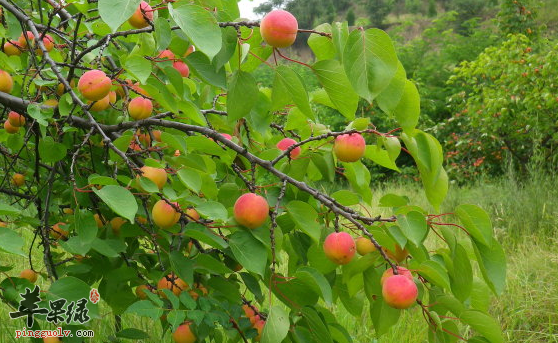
(246, 7)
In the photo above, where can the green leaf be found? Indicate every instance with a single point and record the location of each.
(390, 97)
(461, 275)
(227, 288)
(139, 67)
(306, 218)
(116, 12)
(483, 324)
(249, 251)
(213, 210)
(207, 71)
(51, 151)
(492, 263)
(370, 62)
(183, 266)
(380, 157)
(199, 25)
(132, 333)
(407, 110)
(72, 289)
(434, 273)
(108, 247)
(203, 234)
(120, 200)
(287, 85)
(317, 327)
(477, 222)
(242, 96)
(316, 281)
(322, 46)
(8, 210)
(346, 197)
(383, 316)
(145, 308)
(11, 242)
(393, 200)
(413, 225)
(331, 75)
(276, 326)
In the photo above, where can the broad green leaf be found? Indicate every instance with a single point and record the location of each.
(477, 222)
(11, 242)
(306, 218)
(116, 12)
(120, 200)
(108, 247)
(483, 324)
(359, 178)
(407, 110)
(205, 262)
(294, 293)
(413, 225)
(390, 97)
(461, 275)
(331, 75)
(8, 210)
(208, 72)
(434, 273)
(480, 295)
(72, 289)
(139, 67)
(248, 251)
(145, 308)
(51, 151)
(346, 198)
(132, 333)
(317, 327)
(492, 263)
(322, 46)
(199, 25)
(393, 200)
(383, 316)
(227, 288)
(183, 266)
(316, 281)
(370, 62)
(380, 156)
(213, 210)
(203, 234)
(276, 326)
(287, 85)
(242, 96)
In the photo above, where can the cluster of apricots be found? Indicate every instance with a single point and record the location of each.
(398, 290)
(27, 41)
(258, 323)
(14, 122)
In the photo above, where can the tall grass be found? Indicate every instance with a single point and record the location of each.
(525, 218)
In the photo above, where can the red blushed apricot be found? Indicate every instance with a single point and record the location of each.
(94, 85)
(12, 48)
(112, 97)
(192, 214)
(248, 311)
(182, 68)
(399, 292)
(18, 180)
(259, 326)
(401, 270)
(172, 283)
(251, 210)
(100, 105)
(227, 136)
(157, 135)
(29, 274)
(138, 19)
(140, 108)
(57, 232)
(30, 38)
(164, 215)
(48, 42)
(339, 247)
(190, 50)
(183, 334)
(16, 119)
(10, 128)
(6, 82)
(157, 175)
(279, 28)
(254, 319)
(364, 246)
(349, 147)
(285, 143)
(166, 54)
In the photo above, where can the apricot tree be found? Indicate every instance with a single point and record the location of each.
(140, 157)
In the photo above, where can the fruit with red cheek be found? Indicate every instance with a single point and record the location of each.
(227, 136)
(29, 274)
(183, 334)
(48, 42)
(248, 311)
(57, 232)
(12, 48)
(251, 210)
(254, 319)
(140, 108)
(6, 82)
(138, 19)
(23, 42)
(164, 215)
(166, 54)
(399, 292)
(10, 128)
(94, 85)
(279, 28)
(285, 143)
(401, 270)
(190, 50)
(157, 175)
(16, 119)
(182, 68)
(157, 135)
(349, 147)
(339, 247)
(259, 325)
(364, 246)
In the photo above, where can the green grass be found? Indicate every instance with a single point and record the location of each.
(525, 219)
